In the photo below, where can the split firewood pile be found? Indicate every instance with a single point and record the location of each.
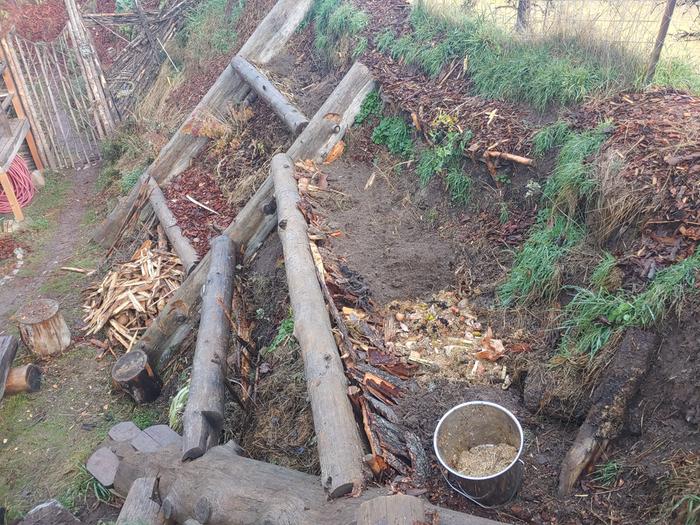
(131, 295)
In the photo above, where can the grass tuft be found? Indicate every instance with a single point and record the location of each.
(209, 32)
(607, 473)
(396, 135)
(337, 28)
(285, 333)
(600, 277)
(551, 137)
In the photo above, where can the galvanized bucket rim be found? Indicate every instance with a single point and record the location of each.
(488, 403)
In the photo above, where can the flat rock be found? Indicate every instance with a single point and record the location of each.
(124, 431)
(50, 513)
(164, 435)
(144, 443)
(103, 466)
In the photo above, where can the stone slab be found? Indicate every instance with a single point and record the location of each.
(103, 466)
(50, 513)
(124, 431)
(164, 435)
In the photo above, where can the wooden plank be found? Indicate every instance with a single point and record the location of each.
(138, 507)
(10, 146)
(11, 197)
(8, 350)
(392, 510)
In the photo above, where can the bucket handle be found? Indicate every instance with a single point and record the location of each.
(471, 498)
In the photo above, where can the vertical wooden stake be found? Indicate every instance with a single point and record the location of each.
(11, 197)
(523, 21)
(660, 39)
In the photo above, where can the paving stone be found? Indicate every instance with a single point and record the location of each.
(145, 443)
(103, 466)
(164, 435)
(124, 431)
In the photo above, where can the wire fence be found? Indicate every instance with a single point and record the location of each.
(630, 25)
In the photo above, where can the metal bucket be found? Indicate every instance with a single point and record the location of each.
(480, 423)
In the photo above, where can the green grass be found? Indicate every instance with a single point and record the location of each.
(372, 106)
(459, 184)
(607, 473)
(81, 486)
(338, 25)
(208, 32)
(129, 179)
(396, 135)
(445, 154)
(602, 272)
(593, 317)
(144, 417)
(536, 274)
(542, 73)
(677, 74)
(550, 137)
(285, 333)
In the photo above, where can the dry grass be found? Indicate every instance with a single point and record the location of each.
(153, 108)
(682, 491)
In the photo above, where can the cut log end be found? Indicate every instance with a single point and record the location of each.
(23, 379)
(42, 327)
(135, 376)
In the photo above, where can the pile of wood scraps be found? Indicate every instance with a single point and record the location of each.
(131, 295)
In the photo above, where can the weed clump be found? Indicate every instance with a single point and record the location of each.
(371, 107)
(338, 25)
(396, 135)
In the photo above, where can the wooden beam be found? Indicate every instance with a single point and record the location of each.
(138, 507)
(11, 197)
(339, 446)
(203, 419)
(258, 217)
(282, 107)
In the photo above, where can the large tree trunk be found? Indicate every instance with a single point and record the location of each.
(204, 413)
(269, 38)
(43, 328)
(232, 490)
(258, 217)
(339, 447)
(283, 108)
(613, 394)
(181, 246)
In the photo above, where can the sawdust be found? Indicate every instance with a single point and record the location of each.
(484, 460)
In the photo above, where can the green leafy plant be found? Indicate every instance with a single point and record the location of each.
(129, 180)
(395, 134)
(372, 106)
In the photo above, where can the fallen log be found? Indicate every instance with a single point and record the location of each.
(181, 246)
(23, 379)
(8, 350)
(204, 414)
(509, 156)
(139, 506)
(259, 216)
(269, 38)
(339, 447)
(239, 490)
(136, 377)
(42, 327)
(606, 417)
(261, 85)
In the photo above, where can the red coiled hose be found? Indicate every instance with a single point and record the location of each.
(21, 181)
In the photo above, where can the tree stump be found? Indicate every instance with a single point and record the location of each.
(135, 376)
(25, 378)
(43, 328)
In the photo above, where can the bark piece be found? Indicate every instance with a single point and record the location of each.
(49, 513)
(139, 507)
(124, 431)
(241, 490)
(43, 328)
(136, 377)
(25, 378)
(182, 247)
(8, 350)
(259, 216)
(339, 447)
(204, 413)
(103, 466)
(617, 387)
(282, 107)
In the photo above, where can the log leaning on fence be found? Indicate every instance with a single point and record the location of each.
(261, 85)
(229, 489)
(339, 447)
(204, 413)
(258, 217)
(183, 248)
(267, 40)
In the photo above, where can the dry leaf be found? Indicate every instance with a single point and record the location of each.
(493, 349)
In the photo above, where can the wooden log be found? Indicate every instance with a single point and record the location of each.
(392, 510)
(23, 379)
(239, 491)
(613, 394)
(261, 85)
(339, 447)
(42, 327)
(134, 375)
(204, 413)
(267, 40)
(259, 216)
(8, 350)
(139, 506)
(184, 250)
